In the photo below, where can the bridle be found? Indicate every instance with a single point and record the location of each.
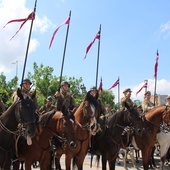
(21, 123)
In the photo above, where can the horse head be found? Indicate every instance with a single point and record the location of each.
(25, 114)
(90, 112)
(68, 123)
(134, 119)
(166, 115)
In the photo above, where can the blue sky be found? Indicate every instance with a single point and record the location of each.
(131, 33)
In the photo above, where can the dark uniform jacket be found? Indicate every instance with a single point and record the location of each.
(65, 99)
(126, 100)
(46, 108)
(15, 97)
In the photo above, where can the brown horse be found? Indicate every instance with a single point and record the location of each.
(108, 143)
(18, 119)
(86, 125)
(151, 123)
(50, 124)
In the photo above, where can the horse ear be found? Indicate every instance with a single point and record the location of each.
(33, 94)
(19, 94)
(127, 106)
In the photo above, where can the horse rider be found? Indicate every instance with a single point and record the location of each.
(25, 89)
(108, 111)
(140, 110)
(146, 103)
(168, 101)
(126, 99)
(48, 106)
(2, 106)
(102, 111)
(64, 98)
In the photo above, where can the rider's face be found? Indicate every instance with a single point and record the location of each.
(93, 92)
(26, 86)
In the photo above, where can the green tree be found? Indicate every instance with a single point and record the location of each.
(107, 97)
(7, 89)
(46, 84)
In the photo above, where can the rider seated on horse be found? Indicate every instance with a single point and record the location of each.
(126, 99)
(25, 88)
(48, 106)
(101, 119)
(63, 98)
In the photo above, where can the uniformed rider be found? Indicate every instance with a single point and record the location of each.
(26, 87)
(146, 103)
(48, 106)
(64, 98)
(126, 99)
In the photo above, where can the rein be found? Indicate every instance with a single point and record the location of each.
(157, 125)
(17, 132)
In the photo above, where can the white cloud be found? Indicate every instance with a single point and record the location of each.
(14, 50)
(165, 28)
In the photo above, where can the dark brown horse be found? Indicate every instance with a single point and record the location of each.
(86, 125)
(151, 123)
(51, 123)
(20, 114)
(108, 143)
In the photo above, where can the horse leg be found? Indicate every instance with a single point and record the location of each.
(137, 155)
(104, 162)
(112, 164)
(163, 154)
(28, 165)
(125, 157)
(131, 153)
(145, 158)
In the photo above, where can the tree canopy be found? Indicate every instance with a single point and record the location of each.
(46, 84)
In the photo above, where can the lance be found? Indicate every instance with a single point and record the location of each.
(26, 55)
(155, 75)
(97, 68)
(62, 65)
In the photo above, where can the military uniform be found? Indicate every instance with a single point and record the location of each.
(15, 97)
(65, 99)
(168, 101)
(126, 100)
(45, 109)
(147, 104)
(25, 92)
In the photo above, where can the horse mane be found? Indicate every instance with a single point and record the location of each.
(91, 99)
(46, 117)
(113, 120)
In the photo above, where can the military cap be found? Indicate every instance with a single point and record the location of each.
(49, 98)
(127, 90)
(65, 82)
(148, 92)
(107, 105)
(168, 97)
(27, 81)
(93, 88)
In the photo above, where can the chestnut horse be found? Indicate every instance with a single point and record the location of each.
(51, 124)
(85, 126)
(108, 143)
(18, 119)
(151, 123)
